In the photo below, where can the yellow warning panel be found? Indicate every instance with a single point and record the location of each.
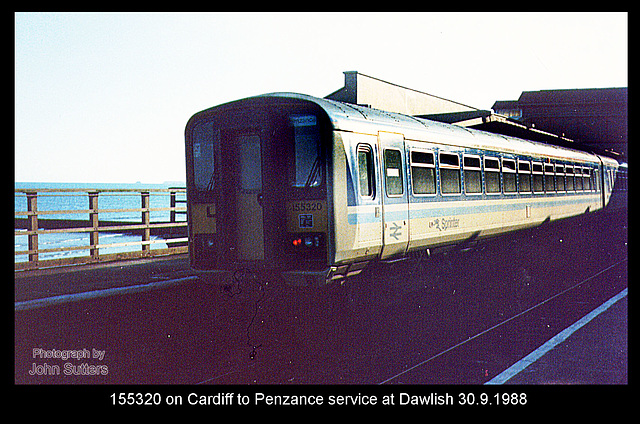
(306, 216)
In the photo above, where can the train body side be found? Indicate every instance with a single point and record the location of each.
(480, 196)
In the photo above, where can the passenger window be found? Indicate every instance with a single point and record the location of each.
(492, 175)
(612, 179)
(586, 178)
(393, 172)
(549, 177)
(423, 172)
(449, 173)
(578, 178)
(365, 171)
(509, 175)
(569, 173)
(560, 178)
(472, 174)
(250, 165)
(524, 175)
(538, 178)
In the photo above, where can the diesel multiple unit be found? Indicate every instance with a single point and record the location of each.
(315, 189)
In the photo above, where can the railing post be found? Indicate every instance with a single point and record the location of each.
(146, 220)
(32, 225)
(93, 218)
(172, 214)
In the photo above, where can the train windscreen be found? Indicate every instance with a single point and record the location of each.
(305, 170)
(203, 156)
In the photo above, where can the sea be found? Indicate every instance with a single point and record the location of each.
(58, 201)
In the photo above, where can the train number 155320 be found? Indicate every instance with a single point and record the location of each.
(306, 206)
(136, 399)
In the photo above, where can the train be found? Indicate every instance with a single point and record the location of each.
(315, 190)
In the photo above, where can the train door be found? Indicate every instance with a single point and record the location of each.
(395, 207)
(248, 194)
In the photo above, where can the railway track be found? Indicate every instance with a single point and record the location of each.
(412, 368)
(501, 326)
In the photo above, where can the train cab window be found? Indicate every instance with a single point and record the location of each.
(306, 169)
(549, 178)
(472, 174)
(509, 175)
(365, 171)
(492, 175)
(449, 173)
(524, 175)
(538, 177)
(204, 140)
(393, 172)
(596, 179)
(423, 172)
(560, 178)
(569, 173)
(586, 179)
(578, 178)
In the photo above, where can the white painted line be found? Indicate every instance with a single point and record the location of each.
(553, 342)
(500, 324)
(74, 297)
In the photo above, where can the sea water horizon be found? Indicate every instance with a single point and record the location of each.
(61, 201)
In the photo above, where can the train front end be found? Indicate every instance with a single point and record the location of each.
(257, 188)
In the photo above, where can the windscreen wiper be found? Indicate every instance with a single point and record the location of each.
(314, 171)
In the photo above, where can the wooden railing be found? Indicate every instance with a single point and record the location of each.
(29, 223)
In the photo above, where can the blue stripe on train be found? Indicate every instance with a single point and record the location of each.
(369, 217)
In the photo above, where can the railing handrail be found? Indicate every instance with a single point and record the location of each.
(95, 228)
(86, 211)
(104, 228)
(100, 190)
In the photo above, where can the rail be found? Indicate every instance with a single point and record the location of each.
(28, 222)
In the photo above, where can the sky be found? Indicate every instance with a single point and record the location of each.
(105, 97)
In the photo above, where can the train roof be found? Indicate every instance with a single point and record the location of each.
(356, 118)
(367, 120)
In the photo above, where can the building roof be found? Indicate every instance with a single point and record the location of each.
(579, 96)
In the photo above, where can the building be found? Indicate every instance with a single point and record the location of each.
(588, 119)
(595, 119)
